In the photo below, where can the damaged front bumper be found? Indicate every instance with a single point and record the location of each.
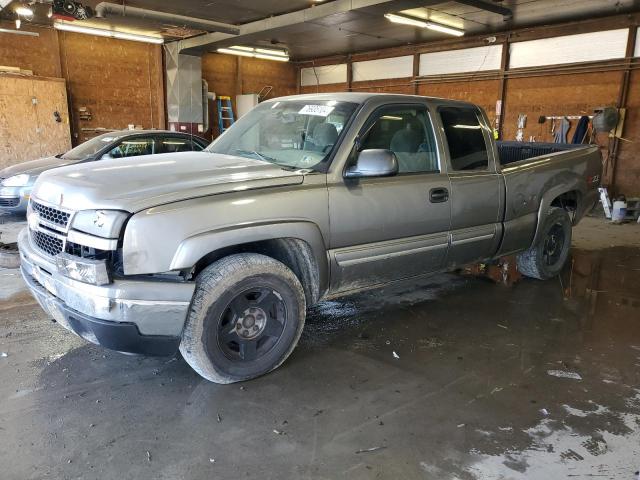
(129, 315)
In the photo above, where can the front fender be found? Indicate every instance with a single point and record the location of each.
(194, 248)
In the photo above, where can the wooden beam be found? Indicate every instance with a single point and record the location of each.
(416, 72)
(504, 66)
(623, 95)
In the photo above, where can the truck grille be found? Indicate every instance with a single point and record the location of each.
(47, 243)
(9, 202)
(51, 215)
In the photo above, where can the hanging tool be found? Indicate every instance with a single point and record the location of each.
(225, 113)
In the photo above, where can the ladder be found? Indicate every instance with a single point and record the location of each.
(225, 113)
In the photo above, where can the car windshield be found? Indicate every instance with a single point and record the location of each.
(91, 147)
(298, 134)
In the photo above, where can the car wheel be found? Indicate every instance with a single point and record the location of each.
(245, 319)
(546, 258)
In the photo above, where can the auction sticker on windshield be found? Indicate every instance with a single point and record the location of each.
(317, 110)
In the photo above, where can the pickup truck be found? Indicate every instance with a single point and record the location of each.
(219, 253)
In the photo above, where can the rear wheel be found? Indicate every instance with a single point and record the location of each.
(546, 258)
(246, 317)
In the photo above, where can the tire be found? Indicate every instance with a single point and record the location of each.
(245, 319)
(546, 258)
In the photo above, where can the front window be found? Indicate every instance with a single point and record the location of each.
(132, 147)
(296, 134)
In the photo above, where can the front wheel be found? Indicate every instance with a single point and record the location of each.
(245, 319)
(546, 258)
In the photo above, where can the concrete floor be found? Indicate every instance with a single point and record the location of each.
(538, 381)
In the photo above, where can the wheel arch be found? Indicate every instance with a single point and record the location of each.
(567, 197)
(299, 245)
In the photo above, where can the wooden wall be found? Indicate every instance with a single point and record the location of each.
(119, 81)
(39, 54)
(552, 93)
(234, 75)
(28, 126)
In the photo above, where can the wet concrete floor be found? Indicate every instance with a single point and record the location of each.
(537, 381)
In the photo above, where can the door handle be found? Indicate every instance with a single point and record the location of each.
(438, 195)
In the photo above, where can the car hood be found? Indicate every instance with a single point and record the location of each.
(136, 183)
(35, 167)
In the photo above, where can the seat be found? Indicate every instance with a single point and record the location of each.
(324, 135)
(412, 150)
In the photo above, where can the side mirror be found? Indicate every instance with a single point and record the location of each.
(374, 163)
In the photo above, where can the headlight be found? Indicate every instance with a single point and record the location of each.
(101, 223)
(16, 181)
(83, 269)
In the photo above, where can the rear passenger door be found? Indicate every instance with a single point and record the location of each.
(384, 229)
(476, 187)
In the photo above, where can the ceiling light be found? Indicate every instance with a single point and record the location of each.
(277, 58)
(107, 33)
(21, 32)
(444, 29)
(414, 22)
(24, 11)
(18, 23)
(240, 47)
(235, 52)
(257, 52)
(272, 51)
(417, 22)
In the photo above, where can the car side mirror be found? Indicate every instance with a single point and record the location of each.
(373, 163)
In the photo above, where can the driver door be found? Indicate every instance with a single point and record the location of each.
(385, 229)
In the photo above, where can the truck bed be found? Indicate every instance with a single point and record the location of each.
(510, 152)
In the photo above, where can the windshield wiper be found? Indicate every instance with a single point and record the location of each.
(261, 156)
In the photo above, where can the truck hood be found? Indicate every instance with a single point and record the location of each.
(137, 183)
(35, 167)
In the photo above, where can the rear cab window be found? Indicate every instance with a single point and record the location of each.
(468, 149)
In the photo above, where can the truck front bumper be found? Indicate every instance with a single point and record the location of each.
(143, 316)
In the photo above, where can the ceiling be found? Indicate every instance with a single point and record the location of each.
(344, 31)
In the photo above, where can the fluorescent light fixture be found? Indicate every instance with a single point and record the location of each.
(235, 52)
(19, 32)
(271, 57)
(24, 11)
(256, 52)
(67, 27)
(417, 22)
(272, 51)
(444, 29)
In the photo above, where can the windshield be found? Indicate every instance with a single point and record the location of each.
(90, 147)
(296, 134)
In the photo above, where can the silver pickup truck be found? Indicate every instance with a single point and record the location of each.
(219, 253)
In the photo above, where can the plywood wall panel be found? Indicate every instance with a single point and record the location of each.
(118, 80)
(39, 54)
(390, 85)
(28, 129)
(627, 179)
(556, 95)
(328, 88)
(481, 92)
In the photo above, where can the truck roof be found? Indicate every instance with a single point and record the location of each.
(362, 97)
